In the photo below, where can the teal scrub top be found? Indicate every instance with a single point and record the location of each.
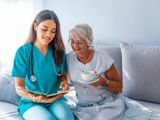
(44, 68)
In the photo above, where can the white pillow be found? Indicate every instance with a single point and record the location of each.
(141, 72)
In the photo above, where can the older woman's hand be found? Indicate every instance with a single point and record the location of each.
(64, 85)
(64, 82)
(101, 81)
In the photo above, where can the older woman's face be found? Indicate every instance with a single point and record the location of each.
(79, 46)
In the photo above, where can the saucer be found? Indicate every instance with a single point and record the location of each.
(90, 82)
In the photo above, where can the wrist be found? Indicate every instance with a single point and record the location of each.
(34, 98)
(106, 83)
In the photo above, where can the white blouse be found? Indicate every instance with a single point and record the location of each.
(100, 62)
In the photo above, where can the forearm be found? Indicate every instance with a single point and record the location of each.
(114, 86)
(64, 77)
(115, 82)
(22, 91)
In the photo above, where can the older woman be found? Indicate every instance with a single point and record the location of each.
(99, 98)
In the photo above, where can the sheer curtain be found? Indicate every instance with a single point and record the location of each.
(15, 21)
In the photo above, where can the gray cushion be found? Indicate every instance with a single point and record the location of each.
(141, 72)
(7, 89)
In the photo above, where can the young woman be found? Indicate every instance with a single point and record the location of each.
(40, 69)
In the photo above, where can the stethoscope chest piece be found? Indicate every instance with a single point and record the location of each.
(33, 78)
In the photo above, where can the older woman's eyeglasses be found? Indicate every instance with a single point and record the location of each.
(77, 42)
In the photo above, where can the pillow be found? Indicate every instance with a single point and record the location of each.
(141, 72)
(7, 89)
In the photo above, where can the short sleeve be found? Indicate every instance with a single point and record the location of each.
(104, 61)
(19, 64)
(109, 61)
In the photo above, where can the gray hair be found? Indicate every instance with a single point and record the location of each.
(83, 31)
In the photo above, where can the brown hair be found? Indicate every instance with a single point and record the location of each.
(56, 44)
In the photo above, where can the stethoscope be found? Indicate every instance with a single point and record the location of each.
(32, 75)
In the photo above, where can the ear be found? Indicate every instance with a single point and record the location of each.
(35, 26)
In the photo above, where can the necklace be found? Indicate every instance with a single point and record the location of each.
(87, 58)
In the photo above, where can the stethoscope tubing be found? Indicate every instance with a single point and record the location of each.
(32, 75)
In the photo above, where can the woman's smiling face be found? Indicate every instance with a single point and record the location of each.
(46, 31)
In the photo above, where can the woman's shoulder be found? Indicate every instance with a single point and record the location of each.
(71, 54)
(24, 48)
(101, 52)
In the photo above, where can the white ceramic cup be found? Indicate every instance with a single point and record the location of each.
(89, 76)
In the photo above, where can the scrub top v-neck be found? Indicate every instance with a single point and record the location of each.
(44, 68)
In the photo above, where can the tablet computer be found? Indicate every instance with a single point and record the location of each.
(52, 95)
(59, 92)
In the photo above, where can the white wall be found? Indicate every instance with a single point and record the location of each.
(15, 22)
(134, 21)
